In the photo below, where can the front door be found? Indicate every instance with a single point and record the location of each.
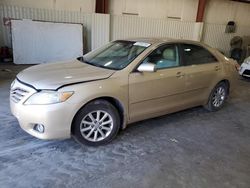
(156, 93)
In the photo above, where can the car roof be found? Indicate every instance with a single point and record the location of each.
(159, 40)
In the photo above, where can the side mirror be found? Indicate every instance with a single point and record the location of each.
(147, 67)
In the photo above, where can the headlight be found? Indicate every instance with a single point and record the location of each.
(48, 97)
(247, 61)
(12, 83)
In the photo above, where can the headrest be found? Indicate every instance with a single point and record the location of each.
(169, 54)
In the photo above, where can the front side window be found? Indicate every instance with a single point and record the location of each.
(116, 55)
(195, 55)
(165, 56)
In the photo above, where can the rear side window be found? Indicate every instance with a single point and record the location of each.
(196, 55)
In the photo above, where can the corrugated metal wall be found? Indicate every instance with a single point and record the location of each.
(131, 26)
(215, 36)
(100, 28)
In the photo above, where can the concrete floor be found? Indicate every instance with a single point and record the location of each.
(192, 148)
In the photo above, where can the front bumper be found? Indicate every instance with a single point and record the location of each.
(244, 70)
(56, 118)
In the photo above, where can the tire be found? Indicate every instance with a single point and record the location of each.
(96, 124)
(217, 97)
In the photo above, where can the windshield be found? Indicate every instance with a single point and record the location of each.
(115, 55)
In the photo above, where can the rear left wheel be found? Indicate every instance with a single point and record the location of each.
(96, 124)
(217, 97)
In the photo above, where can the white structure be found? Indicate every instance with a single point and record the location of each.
(43, 42)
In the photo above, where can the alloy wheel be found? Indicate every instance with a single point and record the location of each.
(96, 126)
(219, 96)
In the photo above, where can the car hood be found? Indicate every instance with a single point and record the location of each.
(55, 75)
(247, 61)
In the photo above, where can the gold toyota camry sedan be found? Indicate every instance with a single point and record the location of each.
(94, 96)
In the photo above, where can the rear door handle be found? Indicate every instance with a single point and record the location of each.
(217, 68)
(180, 74)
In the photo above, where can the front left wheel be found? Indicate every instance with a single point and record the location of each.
(96, 124)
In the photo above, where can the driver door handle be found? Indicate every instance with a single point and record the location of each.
(180, 74)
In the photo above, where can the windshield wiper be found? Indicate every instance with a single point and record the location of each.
(83, 60)
(94, 64)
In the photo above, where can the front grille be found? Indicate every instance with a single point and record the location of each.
(17, 94)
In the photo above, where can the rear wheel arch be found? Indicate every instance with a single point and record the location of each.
(225, 83)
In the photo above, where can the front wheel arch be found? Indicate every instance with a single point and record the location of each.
(115, 102)
(225, 81)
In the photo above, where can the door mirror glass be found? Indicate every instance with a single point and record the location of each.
(147, 67)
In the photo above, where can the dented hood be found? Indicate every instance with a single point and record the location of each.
(55, 75)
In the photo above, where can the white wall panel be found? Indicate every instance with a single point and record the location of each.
(42, 42)
(49, 15)
(131, 26)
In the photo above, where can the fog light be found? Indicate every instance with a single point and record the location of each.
(39, 128)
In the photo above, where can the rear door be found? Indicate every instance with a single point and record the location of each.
(202, 71)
